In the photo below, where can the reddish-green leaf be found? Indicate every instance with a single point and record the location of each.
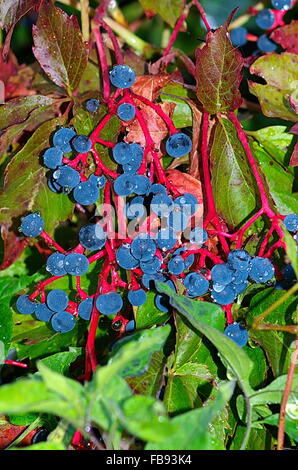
(218, 73)
(18, 110)
(11, 11)
(169, 10)
(59, 47)
(232, 181)
(281, 74)
(287, 37)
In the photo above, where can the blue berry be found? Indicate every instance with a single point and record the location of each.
(62, 138)
(81, 143)
(137, 297)
(157, 188)
(53, 157)
(125, 259)
(222, 274)
(291, 222)
(25, 306)
(265, 19)
(57, 300)
(85, 309)
(188, 203)
(148, 280)
(237, 333)
(176, 265)
(225, 297)
(92, 105)
(135, 209)
(132, 166)
(126, 112)
(137, 151)
(43, 313)
(62, 322)
(265, 44)
(130, 326)
(166, 239)
(142, 184)
(289, 273)
(92, 237)
(239, 36)
(66, 177)
(122, 153)
(86, 193)
(177, 219)
(189, 261)
(239, 287)
(196, 285)
(151, 266)
(239, 259)
(76, 264)
(124, 185)
(122, 76)
(198, 236)
(261, 269)
(162, 302)
(53, 185)
(32, 225)
(143, 247)
(281, 4)
(178, 145)
(55, 264)
(162, 205)
(98, 181)
(240, 276)
(109, 304)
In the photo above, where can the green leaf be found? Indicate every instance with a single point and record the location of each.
(276, 344)
(193, 426)
(232, 181)
(19, 110)
(191, 367)
(59, 46)
(167, 9)
(291, 249)
(148, 314)
(273, 393)
(146, 418)
(182, 116)
(259, 371)
(218, 73)
(291, 427)
(281, 74)
(259, 439)
(150, 382)
(42, 446)
(60, 362)
(277, 142)
(279, 179)
(195, 313)
(25, 186)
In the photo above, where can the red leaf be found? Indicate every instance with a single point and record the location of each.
(14, 246)
(294, 156)
(287, 37)
(59, 46)
(186, 183)
(16, 78)
(218, 73)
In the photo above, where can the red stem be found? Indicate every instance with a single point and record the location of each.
(175, 32)
(202, 13)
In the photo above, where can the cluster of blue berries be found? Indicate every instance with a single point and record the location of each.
(265, 20)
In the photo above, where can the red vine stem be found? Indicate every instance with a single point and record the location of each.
(15, 363)
(158, 111)
(51, 242)
(203, 14)
(175, 32)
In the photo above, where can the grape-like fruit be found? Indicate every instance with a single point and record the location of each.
(122, 76)
(237, 333)
(32, 225)
(178, 145)
(57, 300)
(62, 138)
(109, 304)
(76, 264)
(126, 112)
(62, 322)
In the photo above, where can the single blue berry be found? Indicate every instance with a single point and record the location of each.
(237, 333)
(81, 143)
(261, 269)
(57, 300)
(85, 309)
(178, 145)
(52, 157)
(62, 138)
(62, 322)
(109, 304)
(143, 247)
(225, 297)
(125, 259)
(151, 266)
(176, 265)
(86, 193)
(142, 184)
(222, 274)
(196, 285)
(291, 222)
(239, 36)
(289, 273)
(32, 225)
(126, 112)
(43, 313)
(55, 264)
(265, 44)
(25, 306)
(137, 297)
(122, 76)
(124, 185)
(92, 105)
(92, 237)
(66, 177)
(166, 239)
(265, 18)
(239, 259)
(122, 153)
(76, 264)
